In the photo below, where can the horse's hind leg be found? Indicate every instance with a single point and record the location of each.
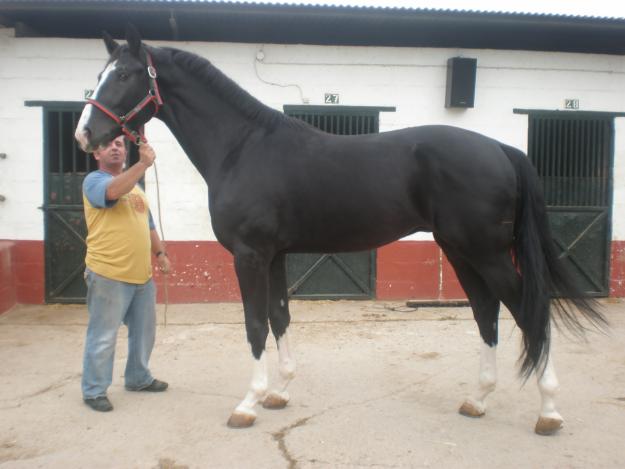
(485, 308)
(252, 270)
(549, 421)
(279, 318)
(502, 277)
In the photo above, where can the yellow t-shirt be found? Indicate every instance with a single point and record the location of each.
(118, 239)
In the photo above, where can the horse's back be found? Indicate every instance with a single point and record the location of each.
(462, 183)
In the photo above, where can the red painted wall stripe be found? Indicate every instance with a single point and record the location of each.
(7, 277)
(617, 269)
(29, 269)
(415, 270)
(203, 271)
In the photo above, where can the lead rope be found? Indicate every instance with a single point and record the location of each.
(139, 141)
(160, 224)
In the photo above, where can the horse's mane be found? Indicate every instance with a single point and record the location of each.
(228, 90)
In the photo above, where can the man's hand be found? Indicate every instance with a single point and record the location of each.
(163, 263)
(146, 155)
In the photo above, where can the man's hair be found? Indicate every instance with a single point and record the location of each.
(126, 144)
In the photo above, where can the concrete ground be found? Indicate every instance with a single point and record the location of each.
(378, 385)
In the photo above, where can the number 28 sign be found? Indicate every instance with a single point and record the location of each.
(571, 104)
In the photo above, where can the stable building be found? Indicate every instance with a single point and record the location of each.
(550, 85)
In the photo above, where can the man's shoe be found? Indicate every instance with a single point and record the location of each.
(155, 386)
(100, 404)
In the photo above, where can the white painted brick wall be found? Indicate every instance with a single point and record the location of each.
(411, 79)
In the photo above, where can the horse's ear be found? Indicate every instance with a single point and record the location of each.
(111, 45)
(134, 39)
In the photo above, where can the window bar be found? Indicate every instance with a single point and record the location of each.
(61, 185)
(553, 150)
(577, 143)
(570, 160)
(604, 169)
(548, 180)
(574, 161)
(73, 144)
(593, 163)
(587, 162)
(553, 168)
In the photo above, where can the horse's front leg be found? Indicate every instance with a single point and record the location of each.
(253, 273)
(280, 318)
(549, 421)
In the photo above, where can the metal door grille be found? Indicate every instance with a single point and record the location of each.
(66, 165)
(573, 158)
(341, 124)
(573, 155)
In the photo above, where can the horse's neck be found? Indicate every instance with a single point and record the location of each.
(206, 128)
(205, 139)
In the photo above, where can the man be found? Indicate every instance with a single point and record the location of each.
(121, 234)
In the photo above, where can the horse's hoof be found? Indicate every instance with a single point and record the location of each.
(548, 425)
(241, 420)
(275, 401)
(469, 409)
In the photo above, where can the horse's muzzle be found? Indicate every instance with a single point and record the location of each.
(82, 136)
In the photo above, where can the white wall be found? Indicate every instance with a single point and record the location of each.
(410, 79)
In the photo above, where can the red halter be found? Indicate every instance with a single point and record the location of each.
(153, 96)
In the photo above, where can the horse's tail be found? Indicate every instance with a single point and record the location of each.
(543, 274)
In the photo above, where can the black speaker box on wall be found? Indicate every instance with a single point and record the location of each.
(460, 82)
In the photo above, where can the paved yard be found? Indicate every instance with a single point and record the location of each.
(377, 386)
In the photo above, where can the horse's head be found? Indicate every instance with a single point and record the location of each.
(125, 98)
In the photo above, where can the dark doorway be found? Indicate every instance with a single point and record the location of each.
(573, 153)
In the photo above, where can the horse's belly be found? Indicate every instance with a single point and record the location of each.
(352, 231)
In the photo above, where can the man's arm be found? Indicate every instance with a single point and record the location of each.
(158, 249)
(123, 183)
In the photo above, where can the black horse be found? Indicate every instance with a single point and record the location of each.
(277, 185)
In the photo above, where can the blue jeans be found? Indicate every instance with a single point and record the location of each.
(111, 302)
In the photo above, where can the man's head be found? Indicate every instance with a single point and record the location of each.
(112, 156)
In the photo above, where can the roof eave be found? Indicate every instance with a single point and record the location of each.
(230, 22)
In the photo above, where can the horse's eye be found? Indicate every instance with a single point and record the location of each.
(123, 76)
